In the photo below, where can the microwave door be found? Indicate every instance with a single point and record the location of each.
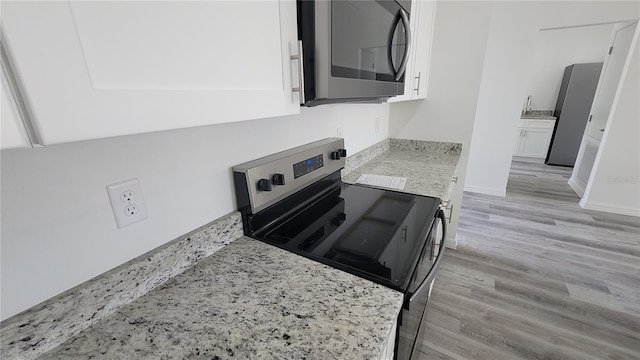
(359, 37)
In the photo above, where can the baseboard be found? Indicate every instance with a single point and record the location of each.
(484, 190)
(612, 209)
(451, 242)
(577, 187)
(528, 159)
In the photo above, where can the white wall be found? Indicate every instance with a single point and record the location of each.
(459, 41)
(509, 54)
(58, 228)
(558, 48)
(614, 184)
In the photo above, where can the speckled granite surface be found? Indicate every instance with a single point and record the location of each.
(278, 317)
(45, 326)
(249, 300)
(427, 165)
(432, 147)
(356, 160)
(538, 115)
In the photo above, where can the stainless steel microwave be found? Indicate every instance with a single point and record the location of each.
(353, 50)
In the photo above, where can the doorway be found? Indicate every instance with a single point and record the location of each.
(615, 60)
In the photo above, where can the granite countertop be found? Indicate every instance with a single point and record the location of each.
(428, 166)
(538, 115)
(215, 294)
(249, 300)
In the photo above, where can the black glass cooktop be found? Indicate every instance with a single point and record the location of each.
(373, 233)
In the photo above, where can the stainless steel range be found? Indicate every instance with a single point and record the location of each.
(296, 200)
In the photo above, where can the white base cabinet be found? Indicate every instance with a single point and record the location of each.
(447, 201)
(95, 69)
(533, 138)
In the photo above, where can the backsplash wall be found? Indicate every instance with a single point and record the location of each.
(58, 228)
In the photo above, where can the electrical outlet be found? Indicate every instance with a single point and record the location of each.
(377, 125)
(339, 132)
(127, 202)
(127, 195)
(131, 210)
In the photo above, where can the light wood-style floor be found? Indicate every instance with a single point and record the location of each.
(537, 277)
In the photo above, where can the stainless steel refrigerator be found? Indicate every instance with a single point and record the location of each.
(572, 110)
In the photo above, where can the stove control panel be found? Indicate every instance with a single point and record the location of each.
(265, 181)
(306, 166)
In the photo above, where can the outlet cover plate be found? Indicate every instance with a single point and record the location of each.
(125, 196)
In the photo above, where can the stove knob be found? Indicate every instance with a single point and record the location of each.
(338, 220)
(264, 185)
(335, 155)
(277, 179)
(343, 152)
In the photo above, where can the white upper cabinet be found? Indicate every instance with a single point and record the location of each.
(421, 24)
(13, 132)
(95, 69)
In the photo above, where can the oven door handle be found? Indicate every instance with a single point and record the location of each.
(432, 273)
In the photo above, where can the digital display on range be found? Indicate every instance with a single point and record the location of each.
(307, 166)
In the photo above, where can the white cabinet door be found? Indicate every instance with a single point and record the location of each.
(535, 142)
(516, 148)
(13, 131)
(415, 78)
(533, 138)
(95, 69)
(421, 50)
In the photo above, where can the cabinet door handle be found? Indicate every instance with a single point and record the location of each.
(417, 88)
(455, 179)
(300, 58)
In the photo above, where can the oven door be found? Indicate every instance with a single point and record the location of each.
(361, 49)
(410, 321)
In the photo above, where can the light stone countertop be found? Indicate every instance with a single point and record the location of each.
(538, 115)
(428, 166)
(249, 300)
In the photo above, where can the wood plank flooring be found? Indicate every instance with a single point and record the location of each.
(537, 277)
